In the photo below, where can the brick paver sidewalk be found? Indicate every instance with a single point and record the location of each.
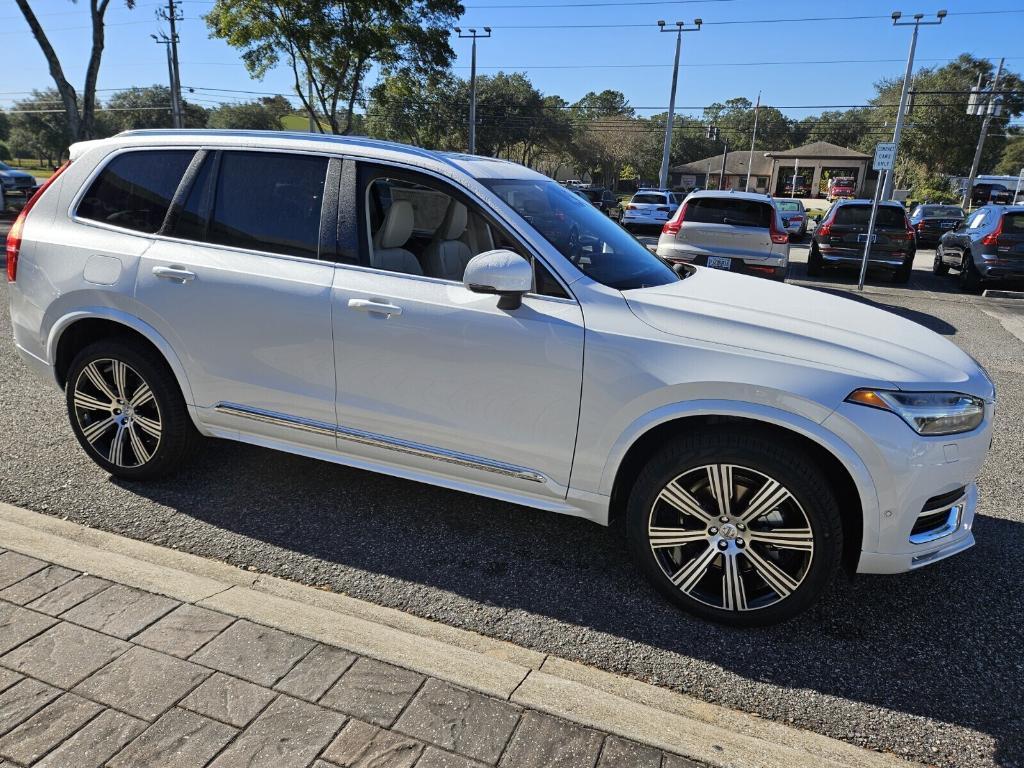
(94, 673)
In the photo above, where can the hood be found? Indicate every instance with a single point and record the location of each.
(810, 326)
(13, 174)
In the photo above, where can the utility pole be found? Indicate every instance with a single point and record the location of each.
(916, 23)
(472, 33)
(753, 138)
(994, 109)
(680, 28)
(713, 135)
(170, 15)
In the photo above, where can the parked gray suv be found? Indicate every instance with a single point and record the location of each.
(734, 231)
(988, 247)
(840, 237)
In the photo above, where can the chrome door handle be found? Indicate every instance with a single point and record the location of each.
(177, 274)
(363, 305)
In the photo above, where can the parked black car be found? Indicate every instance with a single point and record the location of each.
(604, 200)
(840, 237)
(930, 221)
(988, 247)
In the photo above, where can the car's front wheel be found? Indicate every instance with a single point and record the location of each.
(126, 410)
(970, 279)
(735, 526)
(814, 261)
(939, 267)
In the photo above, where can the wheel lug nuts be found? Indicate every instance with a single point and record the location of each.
(741, 527)
(712, 531)
(723, 545)
(723, 519)
(740, 543)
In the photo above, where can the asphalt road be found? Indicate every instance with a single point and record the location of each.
(927, 665)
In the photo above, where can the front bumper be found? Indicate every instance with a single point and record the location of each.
(910, 472)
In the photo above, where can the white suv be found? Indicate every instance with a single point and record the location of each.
(649, 209)
(467, 322)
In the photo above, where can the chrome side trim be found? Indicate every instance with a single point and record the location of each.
(380, 441)
(277, 419)
(952, 524)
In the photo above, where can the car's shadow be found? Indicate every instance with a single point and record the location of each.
(941, 643)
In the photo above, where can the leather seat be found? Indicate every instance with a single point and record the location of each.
(447, 256)
(388, 252)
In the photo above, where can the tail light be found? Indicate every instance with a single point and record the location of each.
(630, 207)
(992, 238)
(671, 227)
(920, 226)
(824, 229)
(779, 237)
(14, 236)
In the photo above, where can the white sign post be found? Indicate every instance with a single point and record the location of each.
(885, 157)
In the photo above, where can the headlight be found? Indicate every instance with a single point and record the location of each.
(927, 413)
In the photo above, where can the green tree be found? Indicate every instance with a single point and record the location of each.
(1012, 160)
(336, 43)
(939, 134)
(148, 107)
(80, 119)
(607, 103)
(846, 128)
(427, 112)
(39, 127)
(260, 115)
(5, 126)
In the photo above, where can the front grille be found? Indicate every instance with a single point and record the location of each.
(930, 521)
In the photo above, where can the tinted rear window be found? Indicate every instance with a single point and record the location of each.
(945, 211)
(135, 189)
(648, 199)
(1013, 223)
(889, 217)
(269, 202)
(738, 213)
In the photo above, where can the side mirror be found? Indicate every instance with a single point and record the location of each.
(503, 273)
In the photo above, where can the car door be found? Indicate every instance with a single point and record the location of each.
(241, 287)
(961, 239)
(436, 379)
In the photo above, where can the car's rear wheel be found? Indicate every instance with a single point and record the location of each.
(127, 411)
(970, 280)
(736, 527)
(939, 267)
(814, 261)
(902, 275)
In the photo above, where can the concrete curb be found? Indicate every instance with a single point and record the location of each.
(629, 708)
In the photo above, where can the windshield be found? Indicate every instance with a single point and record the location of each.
(601, 249)
(788, 205)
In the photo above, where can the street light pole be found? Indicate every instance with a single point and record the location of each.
(916, 23)
(473, 34)
(680, 28)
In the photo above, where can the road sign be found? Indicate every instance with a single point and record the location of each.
(885, 156)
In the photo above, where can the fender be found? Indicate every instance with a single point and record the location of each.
(130, 321)
(808, 428)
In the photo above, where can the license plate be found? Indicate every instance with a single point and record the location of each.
(864, 238)
(719, 262)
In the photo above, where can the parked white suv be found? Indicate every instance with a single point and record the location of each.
(649, 209)
(469, 323)
(734, 231)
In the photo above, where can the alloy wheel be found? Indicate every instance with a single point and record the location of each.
(117, 412)
(731, 537)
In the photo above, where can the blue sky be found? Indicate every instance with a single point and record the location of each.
(721, 61)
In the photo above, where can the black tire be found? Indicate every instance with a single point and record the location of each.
(939, 267)
(753, 457)
(143, 455)
(902, 275)
(970, 280)
(814, 261)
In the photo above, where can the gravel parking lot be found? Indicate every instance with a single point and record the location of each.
(926, 665)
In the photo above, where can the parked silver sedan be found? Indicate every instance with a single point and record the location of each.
(734, 231)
